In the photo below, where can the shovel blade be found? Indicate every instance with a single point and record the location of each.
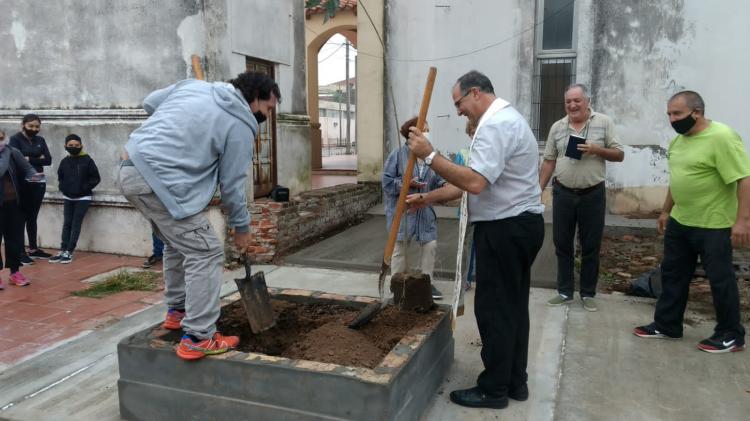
(256, 301)
(365, 315)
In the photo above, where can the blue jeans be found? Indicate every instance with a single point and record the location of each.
(157, 245)
(73, 213)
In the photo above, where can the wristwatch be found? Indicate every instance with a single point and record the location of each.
(428, 159)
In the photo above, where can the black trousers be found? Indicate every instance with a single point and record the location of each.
(11, 232)
(32, 195)
(585, 211)
(505, 250)
(73, 211)
(682, 246)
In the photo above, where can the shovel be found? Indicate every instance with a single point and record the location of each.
(255, 299)
(371, 310)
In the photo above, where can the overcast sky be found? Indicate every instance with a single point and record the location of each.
(331, 60)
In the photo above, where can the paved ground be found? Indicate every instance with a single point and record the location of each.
(361, 247)
(38, 316)
(582, 366)
(321, 181)
(340, 162)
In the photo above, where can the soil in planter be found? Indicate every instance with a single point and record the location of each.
(319, 332)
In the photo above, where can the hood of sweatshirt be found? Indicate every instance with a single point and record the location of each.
(232, 101)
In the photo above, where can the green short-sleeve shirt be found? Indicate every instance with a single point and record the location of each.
(703, 170)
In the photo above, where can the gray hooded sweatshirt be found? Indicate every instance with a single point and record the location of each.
(198, 134)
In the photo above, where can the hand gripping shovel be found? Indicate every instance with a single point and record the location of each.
(255, 299)
(371, 310)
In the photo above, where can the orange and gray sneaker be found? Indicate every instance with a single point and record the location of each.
(173, 319)
(190, 349)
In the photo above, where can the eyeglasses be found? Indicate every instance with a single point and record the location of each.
(458, 103)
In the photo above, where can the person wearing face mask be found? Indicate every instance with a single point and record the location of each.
(706, 213)
(34, 149)
(421, 224)
(578, 193)
(14, 169)
(197, 134)
(77, 176)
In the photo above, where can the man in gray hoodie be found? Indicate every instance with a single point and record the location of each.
(198, 134)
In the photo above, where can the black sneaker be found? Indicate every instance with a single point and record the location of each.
(39, 254)
(650, 331)
(26, 260)
(67, 257)
(720, 343)
(56, 258)
(151, 261)
(436, 294)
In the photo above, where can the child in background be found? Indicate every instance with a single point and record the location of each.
(422, 224)
(31, 193)
(77, 176)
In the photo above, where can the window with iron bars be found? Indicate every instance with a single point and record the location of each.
(551, 77)
(555, 67)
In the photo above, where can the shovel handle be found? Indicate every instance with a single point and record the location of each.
(197, 67)
(246, 262)
(401, 203)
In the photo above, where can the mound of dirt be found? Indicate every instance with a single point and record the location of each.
(319, 332)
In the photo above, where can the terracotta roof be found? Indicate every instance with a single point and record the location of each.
(321, 8)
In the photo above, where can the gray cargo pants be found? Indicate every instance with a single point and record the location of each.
(193, 255)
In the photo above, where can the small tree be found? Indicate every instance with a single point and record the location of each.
(331, 7)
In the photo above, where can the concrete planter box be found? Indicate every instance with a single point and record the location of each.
(155, 384)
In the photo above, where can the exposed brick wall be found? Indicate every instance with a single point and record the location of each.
(280, 226)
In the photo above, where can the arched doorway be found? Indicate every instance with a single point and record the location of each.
(333, 127)
(337, 115)
(363, 33)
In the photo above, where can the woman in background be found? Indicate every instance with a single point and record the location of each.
(14, 168)
(34, 148)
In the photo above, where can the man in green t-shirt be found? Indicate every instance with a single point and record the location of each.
(706, 212)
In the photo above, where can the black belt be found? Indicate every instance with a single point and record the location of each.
(126, 163)
(577, 191)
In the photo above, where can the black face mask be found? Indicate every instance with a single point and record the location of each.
(72, 150)
(30, 133)
(259, 116)
(683, 126)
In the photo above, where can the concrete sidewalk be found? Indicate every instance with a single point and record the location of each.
(582, 366)
(361, 247)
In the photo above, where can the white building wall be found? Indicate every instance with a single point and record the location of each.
(633, 54)
(455, 36)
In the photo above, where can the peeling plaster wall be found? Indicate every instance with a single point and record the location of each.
(449, 28)
(86, 66)
(83, 54)
(633, 54)
(640, 53)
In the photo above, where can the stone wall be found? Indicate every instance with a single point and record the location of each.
(279, 227)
